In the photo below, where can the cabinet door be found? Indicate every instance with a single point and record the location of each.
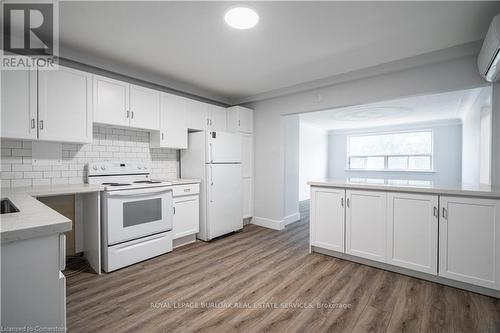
(239, 119)
(217, 118)
(247, 155)
(366, 224)
(173, 130)
(245, 120)
(247, 196)
(186, 216)
(19, 104)
(144, 108)
(197, 117)
(65, 105)
(111, 101)
(412, 232)
(469, 240)
(328, 218)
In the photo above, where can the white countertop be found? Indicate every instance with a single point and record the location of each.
(34, 218)
(181, 181)
(412, 186)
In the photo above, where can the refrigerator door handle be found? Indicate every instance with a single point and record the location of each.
(211, 184)
(211, 153)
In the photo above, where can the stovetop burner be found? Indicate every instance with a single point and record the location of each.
(147, 182)
(116, 184)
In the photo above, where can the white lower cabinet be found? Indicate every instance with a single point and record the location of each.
(469, 240)
(457, 238)
(366, 224)
(33, 287)
(328, 216)
(412, 231)
(186, 203)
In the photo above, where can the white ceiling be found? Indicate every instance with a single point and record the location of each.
(294, 42)
(444, 106)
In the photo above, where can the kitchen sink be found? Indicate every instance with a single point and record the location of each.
(6, 207)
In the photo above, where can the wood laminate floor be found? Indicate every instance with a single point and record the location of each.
(261, 280)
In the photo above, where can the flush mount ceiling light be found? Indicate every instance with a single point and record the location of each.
(241, 17)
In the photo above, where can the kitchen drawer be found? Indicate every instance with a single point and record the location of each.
(188, 189)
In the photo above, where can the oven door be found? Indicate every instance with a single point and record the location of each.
(132, 214)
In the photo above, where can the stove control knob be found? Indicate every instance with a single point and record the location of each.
(94, 167)
(139, 167)
(103, 167)
(145, 167)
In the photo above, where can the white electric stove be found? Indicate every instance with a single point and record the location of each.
(136, 213)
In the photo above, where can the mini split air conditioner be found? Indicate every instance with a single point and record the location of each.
(489, 56)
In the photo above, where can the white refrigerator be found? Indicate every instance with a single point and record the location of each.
(215, 158)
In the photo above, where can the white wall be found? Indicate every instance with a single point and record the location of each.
(485, 147)
(455, 74)
(313, 157)
(495, 135)
(447, 157)
(291, 168)
(476, 144)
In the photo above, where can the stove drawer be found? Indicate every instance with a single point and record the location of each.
(188, 189)
(128, 253)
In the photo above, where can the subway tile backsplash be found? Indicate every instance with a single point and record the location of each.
(109, 144)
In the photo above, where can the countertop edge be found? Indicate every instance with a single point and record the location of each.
(410, 189)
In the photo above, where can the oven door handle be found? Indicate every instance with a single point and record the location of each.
(138, 192)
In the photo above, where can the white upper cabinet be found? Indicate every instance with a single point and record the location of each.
(216, 118)
(65, 105)
(204, 116)
(328, 218)
(144, 108)
(196, 114)
(239, 119)
(19, 104)
(123, 104)
(366, 224)
(50, 105)
(173, 131)
(469, 240)
(412, 233)
(111, 101)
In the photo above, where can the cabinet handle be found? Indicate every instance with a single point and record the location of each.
(187, 190)
(347, 201)
(41, 124)
(208, 121)
(162, 136)
(132, 115)
(239, 123)
(128, 113)
(436, 213)
(32, 122)
(445, 213)
(342, 202)
(174, 209)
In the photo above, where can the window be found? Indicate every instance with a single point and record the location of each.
(408, 151)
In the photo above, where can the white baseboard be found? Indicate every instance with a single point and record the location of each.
(291, 219)
(268, 223)
(275, 224)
